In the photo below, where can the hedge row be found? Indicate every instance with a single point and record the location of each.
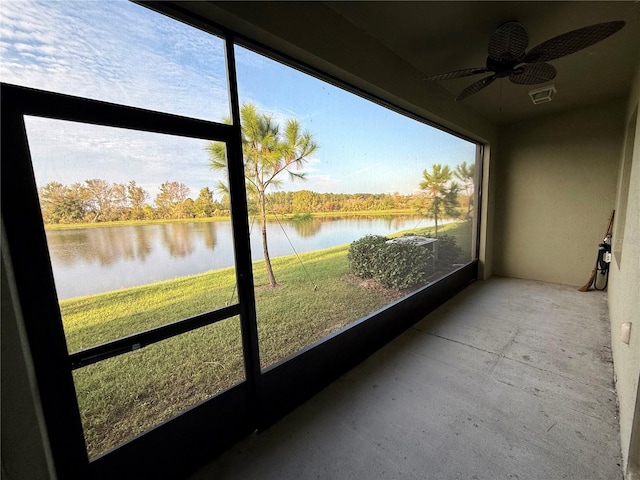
(399, 265)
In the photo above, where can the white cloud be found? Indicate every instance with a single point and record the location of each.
(69, 153)
(317, 183)
(362, 170)
(114, 51)
(118, 52)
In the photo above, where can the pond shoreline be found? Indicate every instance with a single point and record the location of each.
(226, 218)
(94, 260)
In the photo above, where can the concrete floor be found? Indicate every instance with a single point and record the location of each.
(512, 379)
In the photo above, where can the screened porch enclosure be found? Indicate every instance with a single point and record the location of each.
(135, 359)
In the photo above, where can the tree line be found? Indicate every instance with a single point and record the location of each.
(97, 200)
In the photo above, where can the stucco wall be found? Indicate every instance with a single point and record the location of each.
(24, 452)
(555, 189)
(624, 295)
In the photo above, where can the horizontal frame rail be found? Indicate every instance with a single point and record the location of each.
(130, 343)
(59, 106)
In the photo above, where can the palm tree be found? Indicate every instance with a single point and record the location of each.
(466, 174)
(441, 192)
(267, 152)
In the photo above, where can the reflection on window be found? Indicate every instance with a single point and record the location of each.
(118, 52)
(381, 205)
(124, 396)
(136, 235)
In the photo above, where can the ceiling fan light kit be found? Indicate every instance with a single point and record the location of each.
(543, 94)
(507, 56)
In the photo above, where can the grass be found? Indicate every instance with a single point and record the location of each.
(126, 395)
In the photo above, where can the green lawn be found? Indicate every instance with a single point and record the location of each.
(124, 396)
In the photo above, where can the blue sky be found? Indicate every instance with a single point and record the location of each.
(120, 52)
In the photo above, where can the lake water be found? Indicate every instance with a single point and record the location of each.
(95, 260)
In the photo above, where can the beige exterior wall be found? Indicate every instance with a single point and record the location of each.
(487, 215)
(555, 189)
(24, 447)
(624, 293)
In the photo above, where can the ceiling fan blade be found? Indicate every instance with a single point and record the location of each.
(508, 42)
(571, 42)
(475, 87)
(456, 74)
(533, 73)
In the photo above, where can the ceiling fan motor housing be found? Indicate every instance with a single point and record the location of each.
(503, 69)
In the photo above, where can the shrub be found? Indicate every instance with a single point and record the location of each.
(396, 265)
(362, 255)
(448, 251)
(402, 265)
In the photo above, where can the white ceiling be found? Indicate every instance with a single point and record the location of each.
(437, 37)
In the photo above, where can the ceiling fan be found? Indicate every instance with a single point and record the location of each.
(508, 56)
